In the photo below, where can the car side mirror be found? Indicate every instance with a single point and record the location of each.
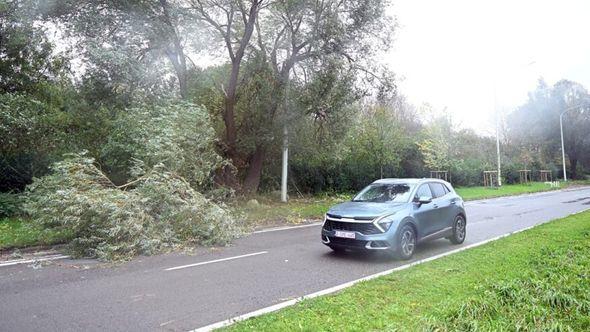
(423, 200)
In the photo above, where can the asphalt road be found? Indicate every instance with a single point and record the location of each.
(143, 295)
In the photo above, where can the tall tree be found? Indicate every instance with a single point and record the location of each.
(437, 146)
(32, 93)
(27, 57)
(145, 31)
(568, 94)
(306, 38)
(534, 126)
(233, 21)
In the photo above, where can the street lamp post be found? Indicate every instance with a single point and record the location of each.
(499, 174)
(285, 164)
(498, 151)
(284, 172)
(562, 148)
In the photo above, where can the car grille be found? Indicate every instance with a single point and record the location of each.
(347, 242)
(363, 228)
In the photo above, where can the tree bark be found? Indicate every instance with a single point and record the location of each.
(573, 166)
(180, 70)
(229, 113)
(252, 180)
(256, 161)
(176, 52)
(231, 134)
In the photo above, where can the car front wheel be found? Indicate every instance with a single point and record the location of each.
(459, 230)
(406, 242)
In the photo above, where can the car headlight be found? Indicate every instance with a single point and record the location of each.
(384, 223)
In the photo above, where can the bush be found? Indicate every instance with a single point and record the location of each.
(179, 135)
(468, 172)
(9, 204)
(158, 210)
(31, 131)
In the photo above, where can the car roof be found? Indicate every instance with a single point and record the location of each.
(409, 180)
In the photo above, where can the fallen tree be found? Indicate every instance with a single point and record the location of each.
(156, 211)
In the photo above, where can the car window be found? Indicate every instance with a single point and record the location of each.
(385, 192)
(438, 190)
(424, 190)
(447, 190)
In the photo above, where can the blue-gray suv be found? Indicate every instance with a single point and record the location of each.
(395, 215)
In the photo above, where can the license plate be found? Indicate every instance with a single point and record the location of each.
(346, 235)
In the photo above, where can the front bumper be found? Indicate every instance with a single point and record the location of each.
(361, 241)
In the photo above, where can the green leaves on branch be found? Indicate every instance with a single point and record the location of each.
(179, 136)
(28, 60)
(32, 133)
(154, 212)
(164, 153)
(436, 146)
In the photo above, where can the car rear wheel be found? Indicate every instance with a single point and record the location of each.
(459, 230)
(406, 243)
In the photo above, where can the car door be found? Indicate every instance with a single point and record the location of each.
(443, 202)
(426, 215)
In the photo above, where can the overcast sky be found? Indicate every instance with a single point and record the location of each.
(449, 53)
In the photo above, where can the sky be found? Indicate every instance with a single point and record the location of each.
(458, 55)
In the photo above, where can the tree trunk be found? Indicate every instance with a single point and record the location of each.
(256, 162)
(182, 76)
(252, 180)
(230, 97)
(228, 112)
(228, 175)
(573, 166)
(176, 53)
(180, 69)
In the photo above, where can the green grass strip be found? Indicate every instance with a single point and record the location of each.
(18, 233)
(472, 193)
(271, 211)
(537, 280)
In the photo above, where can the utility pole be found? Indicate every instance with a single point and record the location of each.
(285, 147)
(285, 164)
(497, 136)
(562, 147)
(498, 152)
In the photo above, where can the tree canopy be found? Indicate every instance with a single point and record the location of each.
(207, 87)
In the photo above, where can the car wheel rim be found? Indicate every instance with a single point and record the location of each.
(460, 228)
(408, 242)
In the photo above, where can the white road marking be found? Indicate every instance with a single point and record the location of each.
(215, 261)
(340, 287)
(39, 259)
(287, 228)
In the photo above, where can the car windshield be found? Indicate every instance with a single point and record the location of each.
(385, 192)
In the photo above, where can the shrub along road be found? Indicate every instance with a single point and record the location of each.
(182, 292)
